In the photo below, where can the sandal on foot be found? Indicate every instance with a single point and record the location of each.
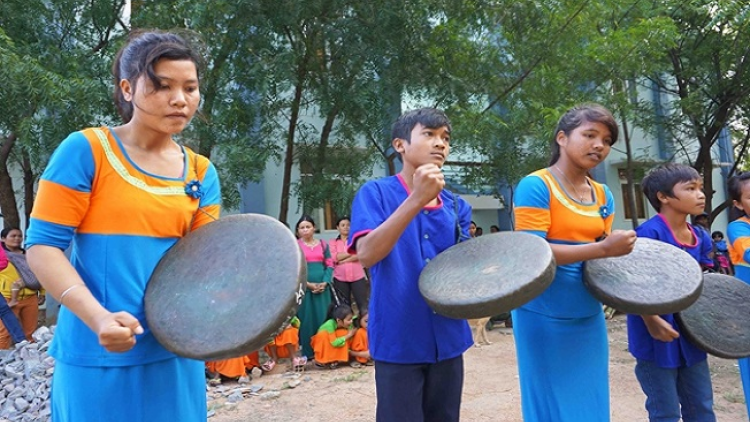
(333, 365)
(214, 381)
(268, 366)
(299, 361)
(355, 364)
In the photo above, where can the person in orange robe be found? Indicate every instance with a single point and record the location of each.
(285, 345)
(359, 347)
(330, 344)
(234, 368)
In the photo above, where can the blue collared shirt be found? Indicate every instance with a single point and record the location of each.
(402, 327)
(680, 352)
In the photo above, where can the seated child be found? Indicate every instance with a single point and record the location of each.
(285, 345)
(721, 253)
(330, 344)
(232, 368)
(359, 349)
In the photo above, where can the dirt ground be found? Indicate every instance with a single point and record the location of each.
(491, 391)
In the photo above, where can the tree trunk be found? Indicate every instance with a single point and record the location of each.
(707, 169)
(325, 136)
(629, 174)
(28, 187)
(8, 204)
(289, 155)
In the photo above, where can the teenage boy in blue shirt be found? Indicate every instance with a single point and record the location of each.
(399, 223)
(673, 372)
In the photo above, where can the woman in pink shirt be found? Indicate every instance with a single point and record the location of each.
(348, 274)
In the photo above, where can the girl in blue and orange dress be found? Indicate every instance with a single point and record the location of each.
(331, 342)
(123, 196)
(561, 337)
(314, 308)
(738, 234)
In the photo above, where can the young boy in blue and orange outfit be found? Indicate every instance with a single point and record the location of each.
(399, 224)
(673, 373)
(738, 234)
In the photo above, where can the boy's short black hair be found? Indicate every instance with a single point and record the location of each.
(735, 185)
(664, 178)
(428, 117)
(717, 233)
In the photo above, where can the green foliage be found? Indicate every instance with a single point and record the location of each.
(51, 62)
(299, 82)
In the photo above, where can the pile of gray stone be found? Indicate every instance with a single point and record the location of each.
(25, 379)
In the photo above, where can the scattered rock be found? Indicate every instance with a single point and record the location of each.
(271, 395)
(292, 383)
(25, 379)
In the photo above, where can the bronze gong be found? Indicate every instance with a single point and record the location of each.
(227, 288)
(719, 321)
(488, 275)
(655, 278)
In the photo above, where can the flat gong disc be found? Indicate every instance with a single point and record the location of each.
(719, 321)
(225, 289)
(488, 275)
(655, 278)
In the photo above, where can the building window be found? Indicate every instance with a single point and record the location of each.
(640, 202)
(326, 217)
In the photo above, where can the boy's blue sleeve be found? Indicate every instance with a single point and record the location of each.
(464, 217)
(707, 246)
(368, 212)
(647, 231)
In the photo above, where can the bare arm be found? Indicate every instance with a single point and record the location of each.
(363, 354)
(343, 257)
(659, 328)
(619, 242)
(54, 271)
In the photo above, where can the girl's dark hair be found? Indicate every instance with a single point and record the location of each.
(339, 311)
(717, 233)
(305, 217)
(663, 179)
(735, 184)
(6, 231)
(576, 116)
(340, 219)
(139, 56)
(431, 118)
(358, 318)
